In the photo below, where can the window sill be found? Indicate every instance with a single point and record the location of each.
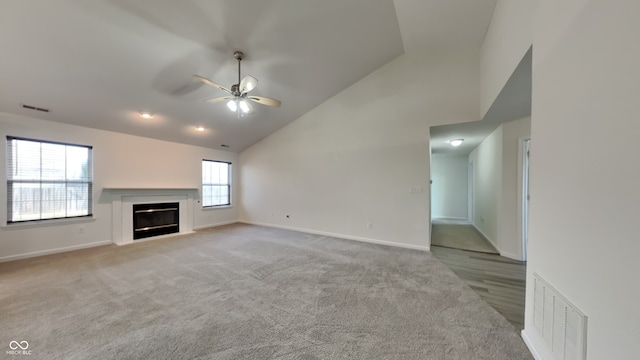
(207, 208)
(45, 223)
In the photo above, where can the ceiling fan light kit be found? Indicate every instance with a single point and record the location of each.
(237, 101)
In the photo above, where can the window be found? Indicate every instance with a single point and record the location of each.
(216, 183)
(48, 180)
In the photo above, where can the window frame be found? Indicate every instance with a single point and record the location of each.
(10, 182)
(228, 184)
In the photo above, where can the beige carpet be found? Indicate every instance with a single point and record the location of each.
(248, 292)
(464, 237)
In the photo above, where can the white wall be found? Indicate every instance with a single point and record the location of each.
(119, 161)
(497, 186)
(585, 196)
(487, 182)
(355, 159)
(449, 191)
(508, 38)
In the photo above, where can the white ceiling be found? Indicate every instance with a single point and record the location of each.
(513, 102)
(443, 25)
(98, 63)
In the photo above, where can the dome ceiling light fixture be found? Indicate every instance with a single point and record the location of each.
(456, 142)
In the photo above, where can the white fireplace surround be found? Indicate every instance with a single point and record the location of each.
(123, 199)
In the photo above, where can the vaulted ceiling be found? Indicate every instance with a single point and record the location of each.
(99, 63)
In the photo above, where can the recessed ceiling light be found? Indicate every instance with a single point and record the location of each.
(456, 142)
(146, 115)
(199, 128)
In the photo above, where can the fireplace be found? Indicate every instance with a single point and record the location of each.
(155, 219)
(124, 200)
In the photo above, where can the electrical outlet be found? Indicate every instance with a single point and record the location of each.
(369, 225)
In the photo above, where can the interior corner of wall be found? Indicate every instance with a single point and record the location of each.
(508, 38)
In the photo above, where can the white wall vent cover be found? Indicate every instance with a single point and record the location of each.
(559, 323)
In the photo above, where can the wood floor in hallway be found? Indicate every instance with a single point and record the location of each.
(498, 280)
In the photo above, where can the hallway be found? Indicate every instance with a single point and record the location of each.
(498, 280)
(461, 236)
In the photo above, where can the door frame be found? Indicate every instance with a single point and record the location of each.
(524, 148)
(470, 193)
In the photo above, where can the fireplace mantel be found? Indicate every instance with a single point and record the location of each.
(145, 189)
(123, 199)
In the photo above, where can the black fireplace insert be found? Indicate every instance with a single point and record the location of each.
(155, 219)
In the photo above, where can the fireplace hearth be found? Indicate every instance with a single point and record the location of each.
(155, 219)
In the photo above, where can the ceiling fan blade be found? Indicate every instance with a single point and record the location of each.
(211, 83)
(247, 84)
(220, 99)
(265, 100)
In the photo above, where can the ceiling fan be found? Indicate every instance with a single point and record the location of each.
(238, 94)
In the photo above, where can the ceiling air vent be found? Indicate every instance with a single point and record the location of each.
(31, 107)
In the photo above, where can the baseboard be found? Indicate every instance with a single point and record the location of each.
(98, 243)
(454, 221)
(502, 253)
(530, 346)
(341, 236)
(510, 255)
(54, 251)
(201, 227)
(488, 238)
